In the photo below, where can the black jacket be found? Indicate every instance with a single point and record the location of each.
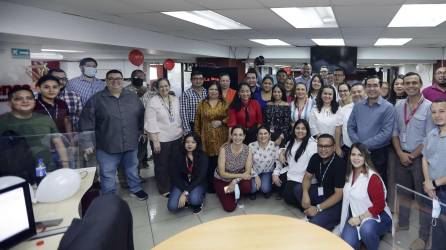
(178, 172)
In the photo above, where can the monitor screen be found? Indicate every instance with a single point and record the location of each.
(16, 212)
(334, 57)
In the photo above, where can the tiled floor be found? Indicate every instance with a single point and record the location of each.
(153, 223)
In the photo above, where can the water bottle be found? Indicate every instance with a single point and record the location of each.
(40, 171)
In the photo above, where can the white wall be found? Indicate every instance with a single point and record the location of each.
(72, 68)
(425, 71)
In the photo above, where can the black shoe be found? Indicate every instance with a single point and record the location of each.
(197, 209)
(267, 195)
(252, 196)
(140, 195)
(278, 197)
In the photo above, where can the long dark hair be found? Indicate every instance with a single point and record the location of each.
(310, 89)
(392, 95)
(237, 102)
(197, 152)
(282, 89)
(220, 92)
(292, 140)
(368, 164)
(333, 105)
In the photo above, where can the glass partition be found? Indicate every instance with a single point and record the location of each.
(414, 219)
(21, 155)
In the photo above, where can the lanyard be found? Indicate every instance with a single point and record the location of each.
(169, 109)
(48, 112)
(408, 117)
(320, 170)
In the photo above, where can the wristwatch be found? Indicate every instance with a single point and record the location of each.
(434, 184)
(318, 208)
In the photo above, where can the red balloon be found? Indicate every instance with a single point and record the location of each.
(169, 64)
(136, 57)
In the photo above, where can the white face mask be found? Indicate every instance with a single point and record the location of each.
(237, 192)
(436, 208)
(90, 71)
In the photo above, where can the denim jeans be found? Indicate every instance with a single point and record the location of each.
(108, 164)
(329, 218)
(439, 230)
(266, 184)
(370, 232)
(195, 197)
(293, 193)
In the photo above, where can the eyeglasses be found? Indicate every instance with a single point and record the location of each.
(324, 146)
(62, 79)
(20, 99)
(114, 79)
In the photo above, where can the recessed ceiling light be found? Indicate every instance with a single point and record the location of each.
(392, 41)
(62, 50)
(46, 56)
(308, 17)
(270, 42)
(419, 15)
(208, 19)
(329, 42)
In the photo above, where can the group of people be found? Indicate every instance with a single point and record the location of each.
(322, 144)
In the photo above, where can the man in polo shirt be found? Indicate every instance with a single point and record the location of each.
(189, 101)
(323, 204)
(117, 116)
(434, 170)
(72, 98)
(371, 123)
(412, 123)
(306, 75)
(37, 129)
(86, 84)
(438, 89)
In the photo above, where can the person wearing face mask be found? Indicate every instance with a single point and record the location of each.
(438, 90)
(365, 215)
(86, 85)
(137, 79)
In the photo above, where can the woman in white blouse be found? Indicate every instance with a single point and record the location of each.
(264, 156)
(343, 142)
(293, 161)
(323, 117)
(302, 105)
(163, 124)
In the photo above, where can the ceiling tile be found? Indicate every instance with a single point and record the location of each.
(364, 31)
(366, 2)
(227, 4)
(256, 18)
(294, 3)
(360, 16)
(164, 5)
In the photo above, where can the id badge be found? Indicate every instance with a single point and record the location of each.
(404, 137)
(172, 119)
(320, 191)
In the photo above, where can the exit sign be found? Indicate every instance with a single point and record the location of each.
(18, 53)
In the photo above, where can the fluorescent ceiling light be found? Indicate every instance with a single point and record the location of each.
(46, 56)
(392, 41)
(62, 50)
(308, 17)
(419, 15)
(329, 42)
(208, 19)
(270, 42)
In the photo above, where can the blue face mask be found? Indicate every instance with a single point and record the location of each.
(90, 71)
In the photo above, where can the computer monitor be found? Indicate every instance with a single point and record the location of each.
(17, 213)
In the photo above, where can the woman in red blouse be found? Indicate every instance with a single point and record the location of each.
(245, 112)
(365, 215)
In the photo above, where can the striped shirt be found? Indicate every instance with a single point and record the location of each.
(84, 87)
(188, 107)
(74, 103)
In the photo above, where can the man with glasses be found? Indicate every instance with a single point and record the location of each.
(371, 123)
(438, 89)
(323, 203)
(72, 98)
(117, 117)
(189, 101)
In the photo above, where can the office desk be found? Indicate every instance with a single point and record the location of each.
(254, 232)
(67, 210)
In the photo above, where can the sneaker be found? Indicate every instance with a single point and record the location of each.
(418, 244)
(197, 209)
(267, 195)
(140, 195)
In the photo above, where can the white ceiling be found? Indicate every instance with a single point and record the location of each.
(361, 22)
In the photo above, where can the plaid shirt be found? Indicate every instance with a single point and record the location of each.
(74, 103)
(188, 106)
(84, 87)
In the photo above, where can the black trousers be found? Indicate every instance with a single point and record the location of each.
(212, 165)
(161, 161)
(379, 158)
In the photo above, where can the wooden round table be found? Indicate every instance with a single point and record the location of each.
(254, 232)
